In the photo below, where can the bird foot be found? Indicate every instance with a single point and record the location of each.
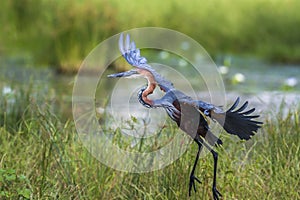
(216, 193)
(192, 183)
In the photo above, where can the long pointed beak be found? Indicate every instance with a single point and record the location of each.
(124, 74)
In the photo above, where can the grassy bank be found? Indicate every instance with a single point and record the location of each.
(61, 33)
(41, 157)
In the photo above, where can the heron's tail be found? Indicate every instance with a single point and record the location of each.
(239, 122)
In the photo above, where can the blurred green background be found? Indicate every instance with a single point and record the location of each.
(255, 43)
(61, 33)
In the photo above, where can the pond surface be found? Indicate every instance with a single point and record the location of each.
(264, 85)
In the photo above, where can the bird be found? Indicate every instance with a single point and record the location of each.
(191, 116)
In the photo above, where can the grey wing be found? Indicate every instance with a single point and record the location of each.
(208, 108)
(130, 52)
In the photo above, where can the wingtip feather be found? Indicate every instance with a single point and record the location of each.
(240, 123)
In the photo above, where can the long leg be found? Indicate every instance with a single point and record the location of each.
(216, 193)
(192, 175)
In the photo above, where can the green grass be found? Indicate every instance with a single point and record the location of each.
(41, 157)
(62, 33)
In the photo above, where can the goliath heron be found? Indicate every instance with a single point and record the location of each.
(190, 115)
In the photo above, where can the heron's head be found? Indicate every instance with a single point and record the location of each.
(145, 91)
(134, 73)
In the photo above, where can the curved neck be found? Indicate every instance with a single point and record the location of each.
(150, 87)
(149, 90)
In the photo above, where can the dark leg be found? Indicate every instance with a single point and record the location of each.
(216, 193)
(192, 175)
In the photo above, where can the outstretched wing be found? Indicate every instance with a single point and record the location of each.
(134, 58)
(130, 52)
(238, 121)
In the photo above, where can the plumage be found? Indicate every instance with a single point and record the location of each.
(190, 115)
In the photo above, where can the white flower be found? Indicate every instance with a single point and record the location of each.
(7, 90)
(239, 78)
(223, 69)
(291, 82)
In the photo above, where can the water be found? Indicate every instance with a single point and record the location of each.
(261, 76)
(264, 85)
(268, 87)
(42, 84)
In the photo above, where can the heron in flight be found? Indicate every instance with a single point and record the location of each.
(190, 115)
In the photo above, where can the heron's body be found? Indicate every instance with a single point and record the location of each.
(190, 115)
